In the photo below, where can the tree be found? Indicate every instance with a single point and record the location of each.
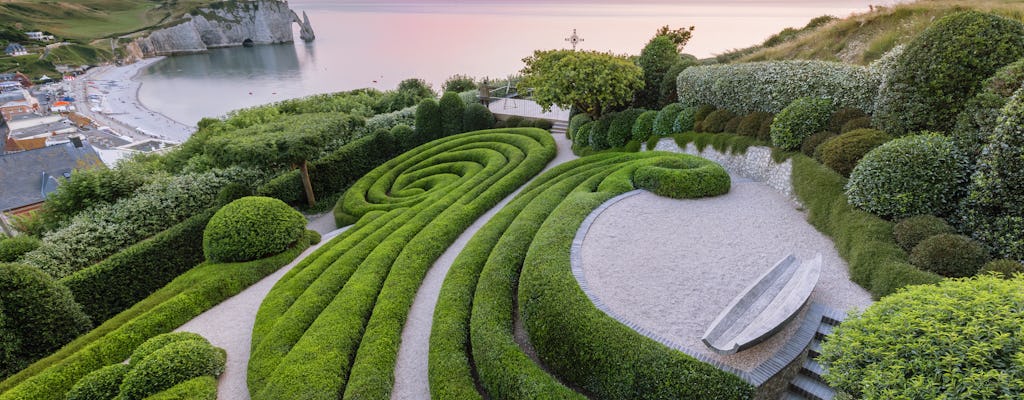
(428, 124)
(452, 109)
(679, 36)
(591, 81)
(409, 93)
(655, 60)
(458, 83)
(668, 91)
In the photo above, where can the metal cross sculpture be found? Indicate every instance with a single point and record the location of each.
(574, 39)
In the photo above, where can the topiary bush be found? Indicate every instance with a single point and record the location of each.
(621, 129)
(582, 137)
(733, 124)
(979, 119)
(949, 255)
(1003, 268)
(231, 192)
(684, 120)
(158, 342)
(700, 115)
(12, 248)
(992, 210)
(842, 152)
(843, 116)
(477, 117)
(599, 132)
(514, 121)
(543, 124)
(172, 364)
(452, 110)
(251, 228)
(912, 175)
(666, 118)
(643, 128)
(856, 123)
(575, 123)
(802, 118)
(525, 123)
(104, 383)
(955, 339)
(428, 125)
(716, 121)
(756, 125)
(911, 231)
(812, 144)
(39, 314)
(943, 67)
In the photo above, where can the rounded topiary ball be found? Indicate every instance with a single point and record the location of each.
(911, 231)
(843, 152)
(949, 255)
(251, 228)
(1004, 268)
(104, 383)
(912, 175)
(801, 118)
(12, 248)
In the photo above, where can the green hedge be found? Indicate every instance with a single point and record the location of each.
(349, 309)
(13, 247)
(843, 152)
(643, 128)
(181, 300)
(251, 228)
(621, 129)
(170, 365)
(666, 118)
(103, 383)
(120, 281)
(473, 319)
(201, 388)
(801, 118)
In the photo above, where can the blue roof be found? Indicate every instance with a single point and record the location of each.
(28, 176)
(14, 48)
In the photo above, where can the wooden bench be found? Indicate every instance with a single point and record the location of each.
(764, 307)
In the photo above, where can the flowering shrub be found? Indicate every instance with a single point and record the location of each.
(771, 85)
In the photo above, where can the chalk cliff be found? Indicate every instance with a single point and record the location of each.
(224, 24)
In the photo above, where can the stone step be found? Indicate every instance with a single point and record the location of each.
(811, 388)
(823, 330)
(814, 349)
(792, 395)
(813, 369)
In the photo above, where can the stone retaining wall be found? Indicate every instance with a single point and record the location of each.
(756, 164)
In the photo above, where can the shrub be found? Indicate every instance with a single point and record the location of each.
(575, 123)
(980, 114)
(949, 255)
(756, 125)
(89, 188)
(582, 138)
(665, 118)
(912, 175)
(701, 114)
(843, 152)
(599, 132)
(452, 111)
(621, 129)
(514, 121)
(39, 313)
(716, 121)
(655, 60)
(201, 388)
(251, 228)
(643, 128)
(526, 123)
(812, 144)
(843, 116)
(158, 342)
(123, 279)
(104, 383)
(231, 192)
(477, 118)
(1004, 268)
(802, 118)
(955, 339)
(405, 116)
(500, 124)
(685, 120)
(170, 365)
(772, 85)
(733, 124)
(992, 211)
(911, 231)
(856, 123)
(683, 179)
(458, 83)
(13, 248)
(429, 123)
(543, 124)
(943, 67)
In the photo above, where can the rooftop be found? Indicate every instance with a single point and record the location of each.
(27, 177)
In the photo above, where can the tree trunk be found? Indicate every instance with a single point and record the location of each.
(306, 183)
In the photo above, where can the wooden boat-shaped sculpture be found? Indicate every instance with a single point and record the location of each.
(764, 307)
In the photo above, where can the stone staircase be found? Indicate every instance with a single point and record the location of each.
(809, 384)
(559, 127)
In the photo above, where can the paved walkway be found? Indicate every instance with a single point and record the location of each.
(229, 325)
(411, 376)
(527, 108)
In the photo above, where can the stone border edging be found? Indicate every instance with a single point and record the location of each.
(789, 352)
(756, 163)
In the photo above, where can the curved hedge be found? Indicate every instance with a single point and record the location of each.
(348, 304)
(581, 346)
(621, 129)
(104, 383)
(770, 86)
(666, 118)
(170, 365)
(943, 67)
(251, 228)
(643, 128)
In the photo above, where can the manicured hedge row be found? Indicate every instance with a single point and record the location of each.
(770, 86)
(349, 308)
(181, 300)
(473, 325)
(115, 284)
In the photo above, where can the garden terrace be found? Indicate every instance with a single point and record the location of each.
(332, 325)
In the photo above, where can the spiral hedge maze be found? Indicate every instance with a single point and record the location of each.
(518, 266)
(330, 328)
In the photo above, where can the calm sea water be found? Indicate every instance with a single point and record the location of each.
(378, 44)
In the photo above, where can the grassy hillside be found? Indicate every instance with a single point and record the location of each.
(85, 20)
(863, 38)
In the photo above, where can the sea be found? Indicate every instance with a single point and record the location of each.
(377, 44)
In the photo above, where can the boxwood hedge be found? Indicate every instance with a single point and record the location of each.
(250, 228)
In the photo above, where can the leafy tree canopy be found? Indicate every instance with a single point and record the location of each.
(679, 36)
(591, 81)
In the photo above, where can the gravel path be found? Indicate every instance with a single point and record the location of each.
(670, 266)
(229, 326)
(411, 378)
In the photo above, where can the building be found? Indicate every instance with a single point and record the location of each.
(32, 131)
(4, 131)
(14, 49)
(39, 36)
(13, 81)
(16, 103)
(26, 178)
